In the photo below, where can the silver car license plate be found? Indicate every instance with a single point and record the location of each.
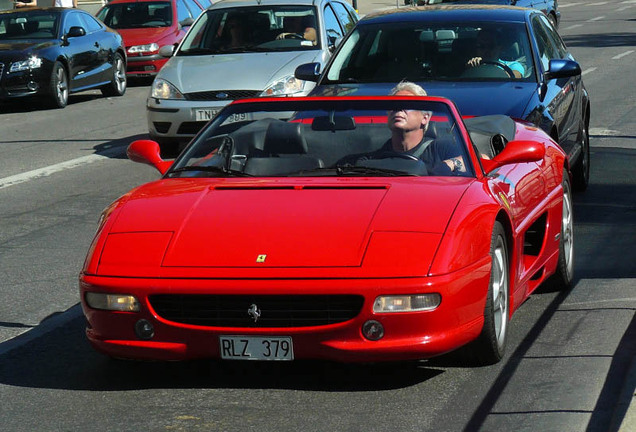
(256, 348)
(205, 114)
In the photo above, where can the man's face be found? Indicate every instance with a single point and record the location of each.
(407, 119)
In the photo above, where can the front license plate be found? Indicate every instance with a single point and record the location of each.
(256, 348)
(205, 114)
(208, 114)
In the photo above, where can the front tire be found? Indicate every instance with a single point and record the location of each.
(562, 279)
(58, 86)
(490, 347)
(117, 84)
(581, 171)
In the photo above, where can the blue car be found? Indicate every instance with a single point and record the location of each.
(487, 59)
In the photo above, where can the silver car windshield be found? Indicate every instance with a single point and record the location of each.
(419, 51)
(334, 138)
(253, 29)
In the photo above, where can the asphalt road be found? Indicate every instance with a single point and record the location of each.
(568, 353)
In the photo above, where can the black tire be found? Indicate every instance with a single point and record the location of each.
(118, 82)
(581, 171)
(58, 86)
(562, 279)
(490, 347)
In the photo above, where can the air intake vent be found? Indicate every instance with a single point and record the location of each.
(275, 310)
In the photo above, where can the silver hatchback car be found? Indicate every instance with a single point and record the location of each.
(241, 49)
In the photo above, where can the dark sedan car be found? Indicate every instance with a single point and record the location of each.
(487, 59)
(51, 52)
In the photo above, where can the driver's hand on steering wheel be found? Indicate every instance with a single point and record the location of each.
(474, 62)
(285, 35)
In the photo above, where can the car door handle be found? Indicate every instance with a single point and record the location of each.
(96, 44)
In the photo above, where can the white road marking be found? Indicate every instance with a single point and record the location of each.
(626, 53)
(568, 5)
(597, 3)
(587, 71)
(52, 169)
(573, 26)
(598, 18)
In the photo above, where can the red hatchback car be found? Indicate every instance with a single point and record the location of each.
(147, 25)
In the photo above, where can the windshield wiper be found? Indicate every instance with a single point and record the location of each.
(214, 169)
(364, 170)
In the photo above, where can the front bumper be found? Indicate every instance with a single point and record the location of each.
(143, 66)
(177, 119)
(24, 83)
(408, 335)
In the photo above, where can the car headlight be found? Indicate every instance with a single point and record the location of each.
(286, 86)
(31, 63)
(112, 302)
(162, 89)
(143, 48)
(407, 303)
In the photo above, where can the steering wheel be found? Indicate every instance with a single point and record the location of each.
(294, 36)
(506, 68)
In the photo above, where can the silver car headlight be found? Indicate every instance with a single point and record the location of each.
(31, 63)
(162, 89)
(143, 48)
(286, 86)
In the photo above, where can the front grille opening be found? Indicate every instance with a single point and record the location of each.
(275, 310)
(161, 127)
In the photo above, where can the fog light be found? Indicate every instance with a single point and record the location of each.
(373, 330)
(144, 329)
(112, 302)
(33, 86)
(407, 303)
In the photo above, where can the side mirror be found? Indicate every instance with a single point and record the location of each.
(148, 152)
(308, 72)
(515, 152)
(167, 50)
(76, 32)
(562, 69)
(186, 22)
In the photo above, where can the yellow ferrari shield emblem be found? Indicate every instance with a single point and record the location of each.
(261, 258)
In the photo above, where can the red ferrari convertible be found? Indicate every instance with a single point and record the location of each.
(327, 228)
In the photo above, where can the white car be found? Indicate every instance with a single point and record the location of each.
(241, 49)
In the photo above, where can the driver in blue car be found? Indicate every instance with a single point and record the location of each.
(488, 48)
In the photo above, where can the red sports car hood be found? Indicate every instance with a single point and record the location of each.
(143, 36)
(297, 223)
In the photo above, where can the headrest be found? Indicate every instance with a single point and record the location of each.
(284, 138)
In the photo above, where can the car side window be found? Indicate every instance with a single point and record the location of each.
(555, 38)
(183, 12)
(91, 24)
(194, 8)
(332, 26)
(345, 18)
(73, 19)
(547, 50)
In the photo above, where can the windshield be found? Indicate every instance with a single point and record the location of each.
(334, 137)
(419, 52)
(137, 15)
(28, 25)
(253, 29)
